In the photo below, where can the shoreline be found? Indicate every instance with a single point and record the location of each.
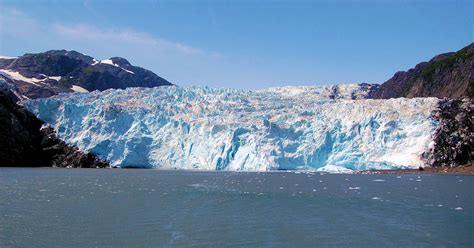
(464, 170)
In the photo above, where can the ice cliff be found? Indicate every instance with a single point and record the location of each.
(315, 128)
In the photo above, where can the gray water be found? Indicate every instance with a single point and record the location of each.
(153, 208)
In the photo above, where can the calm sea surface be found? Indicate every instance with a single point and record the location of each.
(152, 208)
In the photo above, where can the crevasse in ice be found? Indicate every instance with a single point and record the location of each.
(309, 128)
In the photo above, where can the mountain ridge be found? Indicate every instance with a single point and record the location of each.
(445, 75)
(49, 73)
(52, 72)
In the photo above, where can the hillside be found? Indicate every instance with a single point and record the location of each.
(446, 75)
(52, 72)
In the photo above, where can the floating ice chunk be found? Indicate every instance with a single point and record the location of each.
(334, 169)
(379, 180)
(458, 208)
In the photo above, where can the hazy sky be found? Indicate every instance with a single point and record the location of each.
(244, 43)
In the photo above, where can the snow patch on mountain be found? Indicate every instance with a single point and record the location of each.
(57, 78)
(307, 128)
(78, 88)
(95, 62)
(110, 62)
(7, 57)
(14, 75)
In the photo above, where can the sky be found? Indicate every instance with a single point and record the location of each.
(245, 44)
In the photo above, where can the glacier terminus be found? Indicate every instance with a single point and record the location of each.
(323, 128)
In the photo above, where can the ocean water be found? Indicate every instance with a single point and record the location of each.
(153, 208)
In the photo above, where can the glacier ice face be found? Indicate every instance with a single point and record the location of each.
(228, 129)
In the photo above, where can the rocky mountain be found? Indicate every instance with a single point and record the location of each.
(24, 143)
(52, 72)
(446, 75)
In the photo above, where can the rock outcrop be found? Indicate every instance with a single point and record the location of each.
(453, 141)
(59, 154)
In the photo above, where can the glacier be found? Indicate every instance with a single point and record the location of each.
(326, 128)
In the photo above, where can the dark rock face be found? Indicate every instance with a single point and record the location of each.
(20, 138)
(75, 68)
(60, 154)
(454, 137)
(24, 144)
(370, 88)
(446, 75)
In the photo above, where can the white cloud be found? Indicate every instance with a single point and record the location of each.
(125, 36)
(16, 23)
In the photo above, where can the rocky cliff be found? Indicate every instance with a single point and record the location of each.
(453, 140)
(24, 144)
